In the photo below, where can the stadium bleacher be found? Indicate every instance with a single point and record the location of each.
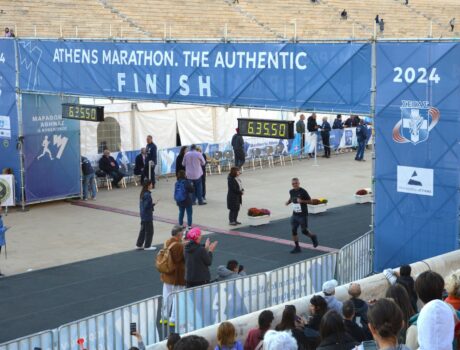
(248, 19)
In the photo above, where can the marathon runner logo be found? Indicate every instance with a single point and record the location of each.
(417, 119)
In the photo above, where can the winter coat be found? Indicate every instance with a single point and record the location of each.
(234, 194)
(177, 278)
(255, 336)
(238, 146)
(356, 332)
(108, 164)
(197, 262)
(225, 274)
(146, 207)
(341, 341)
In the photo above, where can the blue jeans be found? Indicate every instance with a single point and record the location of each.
(360, 152)
(88, 180)
(198, 194)
(182, 211)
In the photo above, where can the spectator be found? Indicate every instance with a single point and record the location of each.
(183, 190)
(203, 177)
(149, 169)
(451, 23)
(312, 128)
(234, 195)
(146, 208)
(333, 335)
(356, 332)
(453, 289)
(279, 341)
(325, 134)
(436, 326)
(110, 166)
(238, 149)
(175, 280)
(256, 336)
(198, 258)
(385, 323)
(7, 32)
(329, 294)
(12, 35)
(361, 308)
(377, 19)
(400, 296)
(291, 322)
(300, 129)
(318, 308)
(429, 286)
(180, 159)
(139, 164)
(192, 342)
(361, 135)
(226, 337)
(338, 124)
(193, 162)
(233, 270)
(88, 179)
(140, 342)
(381, 25)
(173, 338)
(344, 14)
(3, 230)
(404, 278)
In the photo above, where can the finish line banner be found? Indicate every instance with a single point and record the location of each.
(324, 77)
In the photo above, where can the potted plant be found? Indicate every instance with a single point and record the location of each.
(363, 195)
(317, 206)
(257, 217)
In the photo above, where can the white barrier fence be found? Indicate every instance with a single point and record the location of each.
(43, 340)
(111, 329)
(206, 305)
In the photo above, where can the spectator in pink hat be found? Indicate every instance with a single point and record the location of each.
(198, 258)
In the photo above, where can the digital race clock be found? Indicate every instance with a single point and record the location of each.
(83, 112)
(278, 129)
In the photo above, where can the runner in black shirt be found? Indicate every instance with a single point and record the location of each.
(299, 198)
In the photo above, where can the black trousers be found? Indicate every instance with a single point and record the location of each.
(145, 234)
(116, 177)
(146, 173)
(203, 181)
(233, 215)
(326, 144)
(302, 143)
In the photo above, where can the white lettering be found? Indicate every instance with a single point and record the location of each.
(184, 87)
(121, 81)
(205, 85)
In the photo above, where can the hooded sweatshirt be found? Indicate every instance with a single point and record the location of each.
(225, 274)
(197, 262)
(436, 326)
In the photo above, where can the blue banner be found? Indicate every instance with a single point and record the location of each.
(9, 157)
(417, 151)
(51, 149)
(325, 77)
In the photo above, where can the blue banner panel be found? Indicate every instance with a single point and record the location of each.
(9, 157)
(417, 151)
(51, 149)
(325, 77)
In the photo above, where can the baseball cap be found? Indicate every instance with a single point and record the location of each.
(329, 286)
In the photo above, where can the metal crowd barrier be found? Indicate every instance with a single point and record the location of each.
(355, 260)
(213, 303)
(43, 340)
(301, 278)
(110, 329)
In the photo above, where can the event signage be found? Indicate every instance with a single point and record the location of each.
(83, 112)
(323, 77)
(6, 190)
(277, 129)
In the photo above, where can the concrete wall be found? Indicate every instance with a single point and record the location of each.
(373, 287)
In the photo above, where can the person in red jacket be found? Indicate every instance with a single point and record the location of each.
(256, 336)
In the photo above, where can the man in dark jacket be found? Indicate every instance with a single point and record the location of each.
(139, 164)
(300, 129)
(360, 307)
(361, 135)
(151, 160)
(238, 149)
(338, 123)
(356, 332)
(110, 166)
(198, 258)
(312, 128)
(325, 133)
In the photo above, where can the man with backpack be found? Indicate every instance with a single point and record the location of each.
(170, 263)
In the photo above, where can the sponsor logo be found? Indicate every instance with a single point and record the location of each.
(4, 190)
(415, 180)
(417, 120)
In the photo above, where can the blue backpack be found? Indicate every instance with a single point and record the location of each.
(180, 192)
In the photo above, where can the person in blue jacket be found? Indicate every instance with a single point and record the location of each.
(325, 135)
(2, 234)
(151, 159)
(361, 135)
(146, 207)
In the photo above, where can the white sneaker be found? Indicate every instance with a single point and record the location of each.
(151, 248)
(139, 248)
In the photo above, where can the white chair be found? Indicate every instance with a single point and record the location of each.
(256, 155)
(269, 156)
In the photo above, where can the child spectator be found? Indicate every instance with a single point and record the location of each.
(172, 340)
(256, 336)
(226, 337)
(453, 289)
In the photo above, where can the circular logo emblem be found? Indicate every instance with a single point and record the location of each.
(6, 143)
(4, 190)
